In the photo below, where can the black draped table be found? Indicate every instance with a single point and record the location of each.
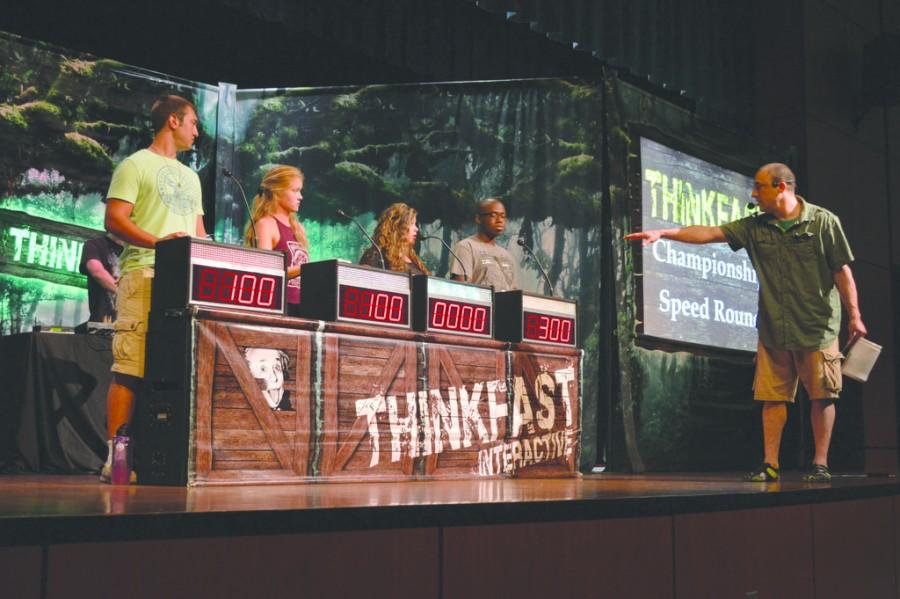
(53, 402)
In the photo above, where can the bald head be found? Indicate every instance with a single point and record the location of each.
(778, 172)
(490, 218)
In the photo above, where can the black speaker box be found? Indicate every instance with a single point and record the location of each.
(162, 409)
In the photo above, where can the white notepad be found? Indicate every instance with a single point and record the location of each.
(860, 359)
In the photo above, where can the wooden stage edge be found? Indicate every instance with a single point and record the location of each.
(42, 509)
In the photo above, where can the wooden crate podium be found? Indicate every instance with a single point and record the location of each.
(244, 398)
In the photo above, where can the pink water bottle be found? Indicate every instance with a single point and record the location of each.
(121, 462)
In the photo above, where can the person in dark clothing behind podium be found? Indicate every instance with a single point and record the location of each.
(277, 228)
(395, 234)
(100, 263)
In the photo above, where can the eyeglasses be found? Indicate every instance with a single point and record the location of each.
(757, 185)
(493, 214)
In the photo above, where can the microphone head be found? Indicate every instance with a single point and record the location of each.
(521, 242)
(226, 172)
(341, 213)
(752, 205)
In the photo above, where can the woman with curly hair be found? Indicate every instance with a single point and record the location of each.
(277, 228)
(395, 235)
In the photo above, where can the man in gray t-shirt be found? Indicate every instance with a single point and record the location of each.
(485, 262)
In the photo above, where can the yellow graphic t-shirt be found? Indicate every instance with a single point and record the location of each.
(167, 198)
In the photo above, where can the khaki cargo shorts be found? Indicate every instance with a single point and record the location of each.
(778, 372)
(133, 308)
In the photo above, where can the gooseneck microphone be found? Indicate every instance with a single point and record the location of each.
(343, 214)
(444, 243)
(231, 176)
(530, 252)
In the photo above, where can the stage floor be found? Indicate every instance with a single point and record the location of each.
(58, 508)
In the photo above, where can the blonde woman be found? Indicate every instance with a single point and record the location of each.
(395, 235)
(277, 228)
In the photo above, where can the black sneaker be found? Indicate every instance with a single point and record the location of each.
(764, 474)
(818, 474)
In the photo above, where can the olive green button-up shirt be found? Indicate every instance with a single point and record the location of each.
(799, 304)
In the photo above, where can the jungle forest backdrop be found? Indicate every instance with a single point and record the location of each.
(558, 152)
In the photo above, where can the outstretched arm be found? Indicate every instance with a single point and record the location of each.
(694, 234)
(846, 285)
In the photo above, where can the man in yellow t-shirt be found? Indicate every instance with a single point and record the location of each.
(151, 197)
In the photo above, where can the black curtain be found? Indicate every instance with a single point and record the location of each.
(53, 402)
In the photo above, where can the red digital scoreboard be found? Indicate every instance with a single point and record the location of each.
(446, 306)
(213, 284)
(345, 292)
(377, 306)
(192, 271)
(530, 318)
(548, 328)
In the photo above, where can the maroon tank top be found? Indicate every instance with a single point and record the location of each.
(297, 255)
